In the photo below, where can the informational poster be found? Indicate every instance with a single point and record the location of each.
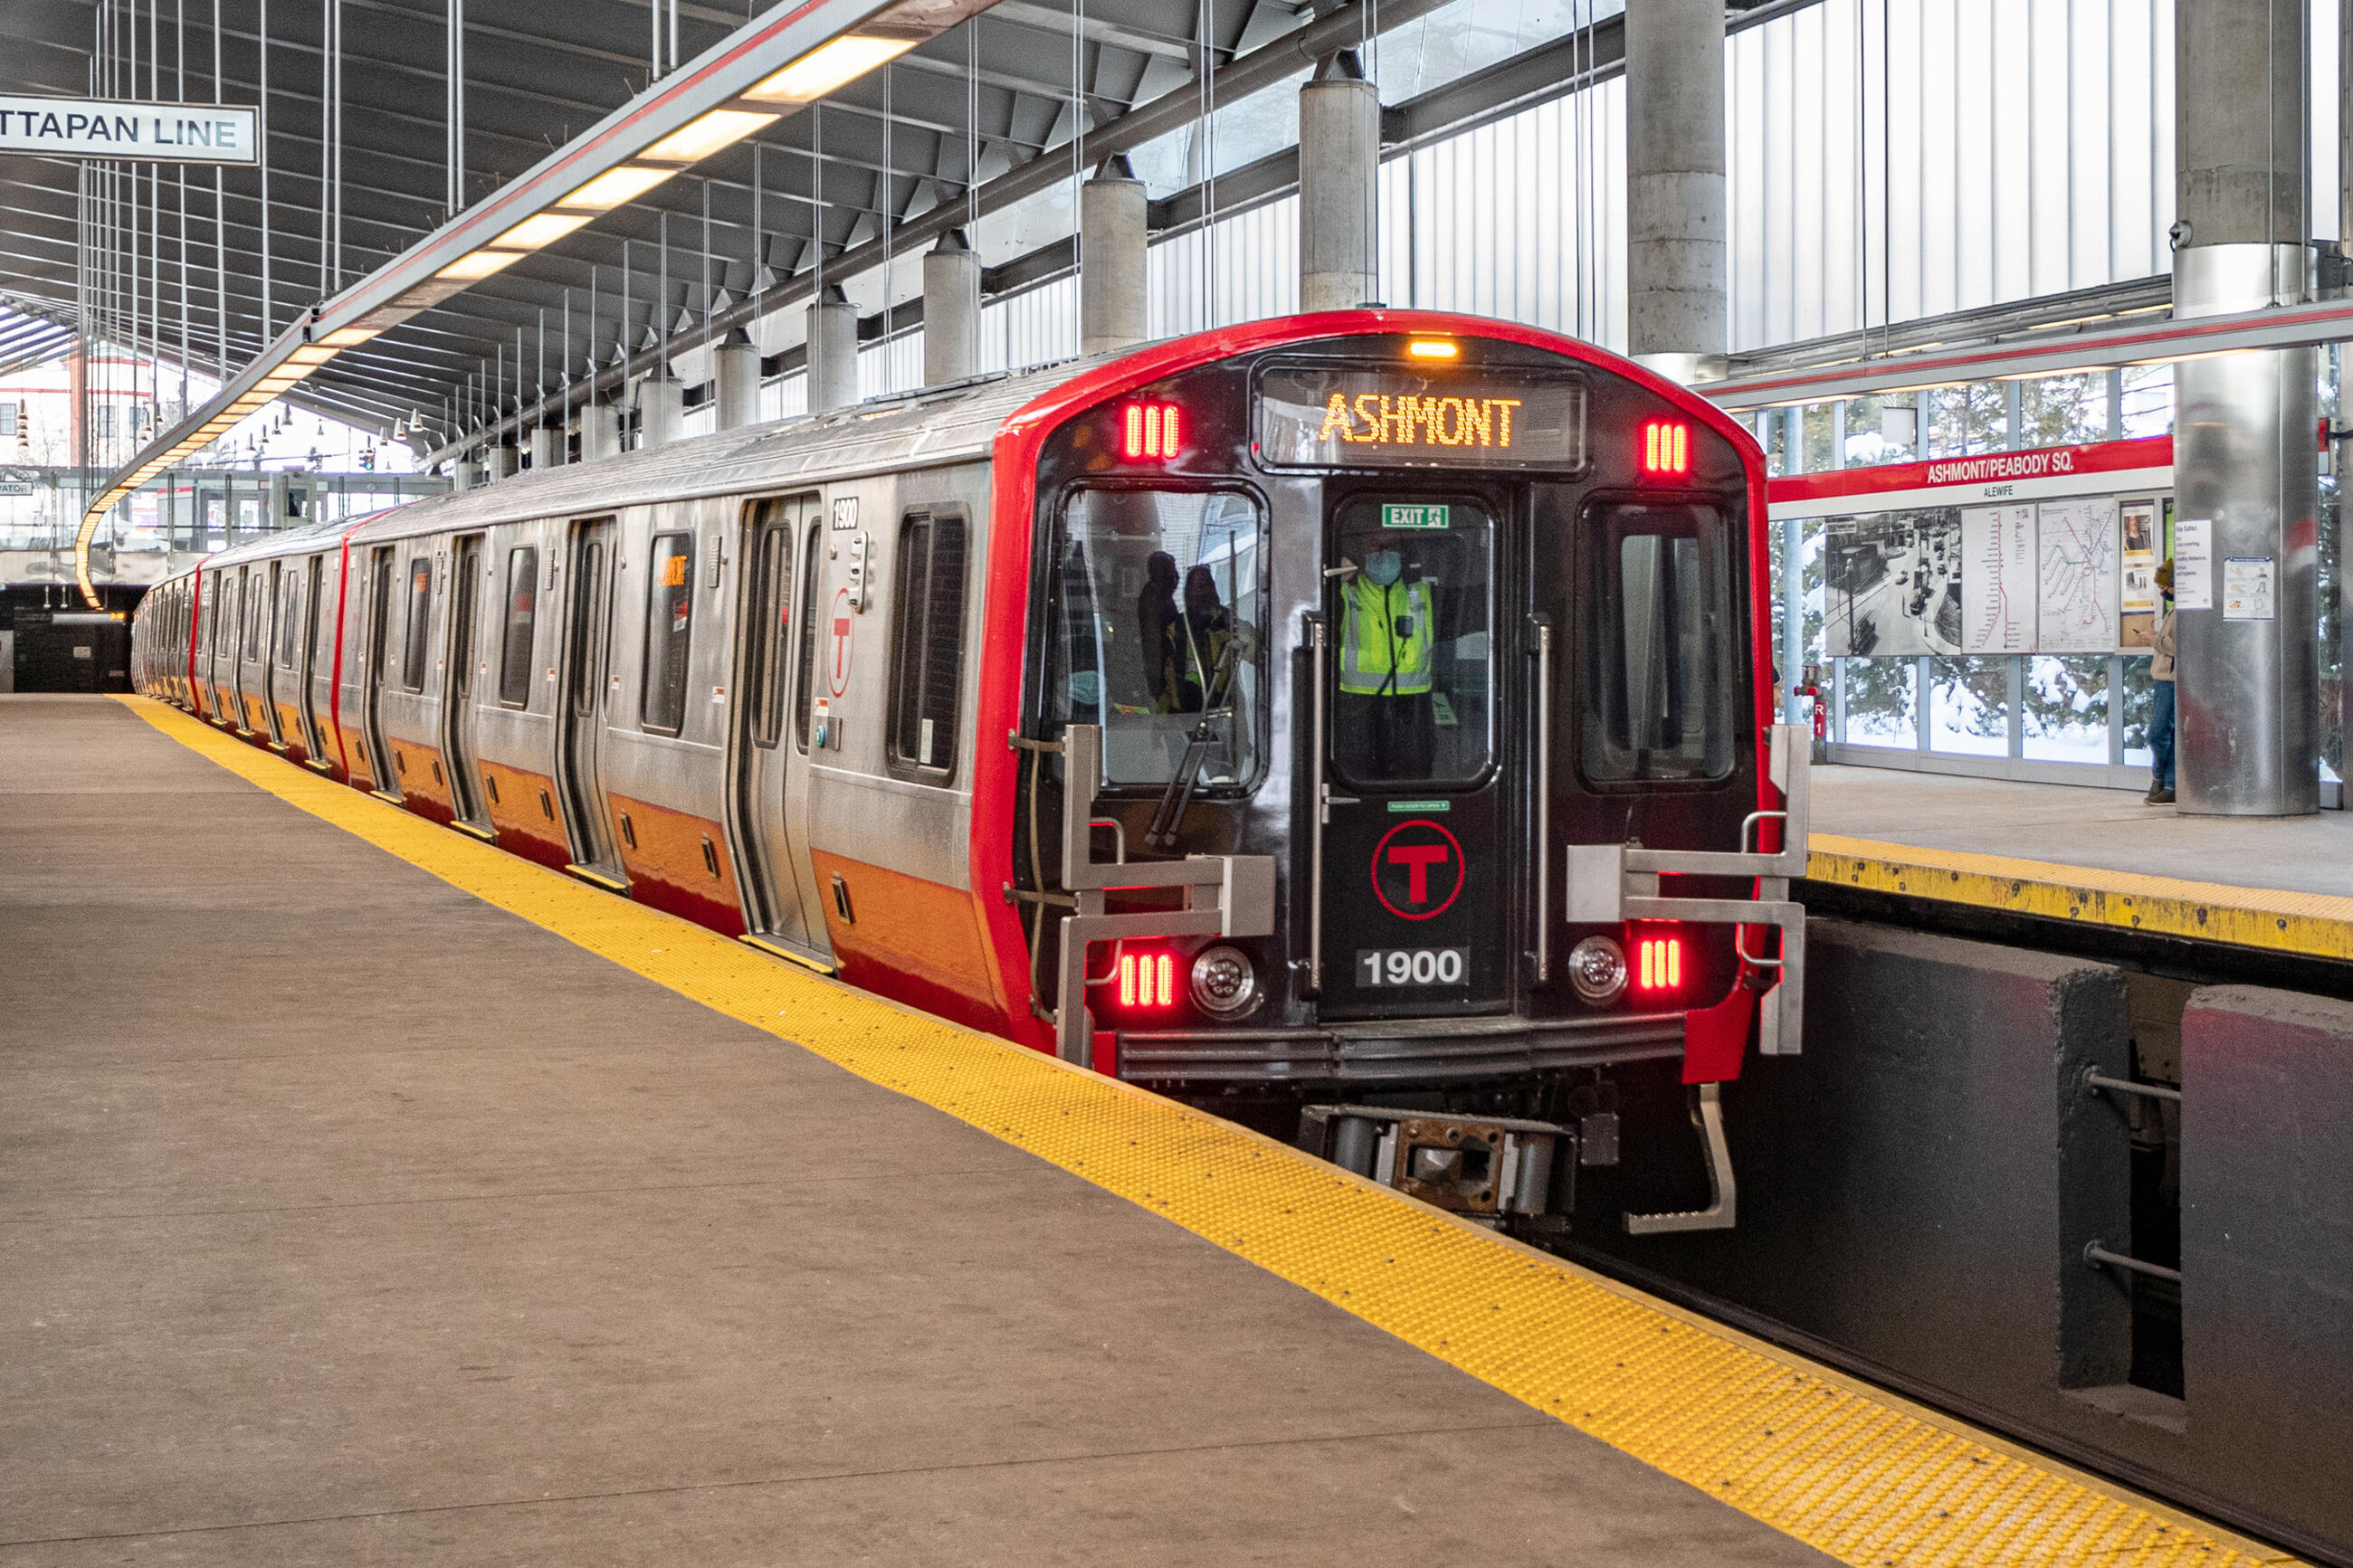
(2193, 562)
(2137, 600)
(1997, 579)
(1893, 583)
(2076, 576)
(2248, 588)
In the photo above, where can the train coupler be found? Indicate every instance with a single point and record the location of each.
(1495, 1170)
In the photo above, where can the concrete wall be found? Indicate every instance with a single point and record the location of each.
(1917, 1190)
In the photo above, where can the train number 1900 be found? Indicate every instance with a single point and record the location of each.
(1413, 966)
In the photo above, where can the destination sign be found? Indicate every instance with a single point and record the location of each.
(106, 128)
(1329, 418)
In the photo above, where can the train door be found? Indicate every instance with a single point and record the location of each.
(760, 754)
(306, 662)
(241, 653)
(587, 639)
(458, 716)
(1417, 884)
(273, 618)
(380, 587)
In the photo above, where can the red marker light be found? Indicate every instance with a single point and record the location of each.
(1666, 447)
(1154, 430)
(1146, 980)
(1659, 963)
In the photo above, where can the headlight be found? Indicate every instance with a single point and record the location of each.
(1596, 967)
(1224, 983)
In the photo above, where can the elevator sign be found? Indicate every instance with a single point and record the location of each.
(105, 128)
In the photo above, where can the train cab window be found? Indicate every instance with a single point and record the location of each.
(1413, 674)
(1661, 673)
(420, 623)
(927, 619)
(522, 613)
(1155, 610)
(669, 627)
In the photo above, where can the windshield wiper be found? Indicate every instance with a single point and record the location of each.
(1169, 816)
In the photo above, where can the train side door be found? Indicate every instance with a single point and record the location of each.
(587, 644)
(314, 580)
(1417, 885)
(381, 581)
(760, 751)
(265, 660)
(458, 716)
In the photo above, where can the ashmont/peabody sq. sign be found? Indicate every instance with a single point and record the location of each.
(101, 128)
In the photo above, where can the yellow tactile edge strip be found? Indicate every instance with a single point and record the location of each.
(2317, 925)
(1867, 1477)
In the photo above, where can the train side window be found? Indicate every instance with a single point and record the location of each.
(670, 629)
(523, 616)
(803, 697)
(290, 624)
(765, 641)
(220, 622)
(927, 665)
(420, 623)
(1156, 604)
(256, 614)
(1661, 671)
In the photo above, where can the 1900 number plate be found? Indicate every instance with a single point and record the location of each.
(1413, 966)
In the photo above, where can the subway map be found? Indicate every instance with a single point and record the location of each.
(2076, 576)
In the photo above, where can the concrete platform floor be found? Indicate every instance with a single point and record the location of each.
(346, 1219)
(2109, 829)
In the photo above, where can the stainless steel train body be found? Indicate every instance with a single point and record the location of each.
(1401, 655)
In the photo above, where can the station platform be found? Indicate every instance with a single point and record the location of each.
(371, 1195)
(2091, 854)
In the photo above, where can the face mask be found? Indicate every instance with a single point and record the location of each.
(1384, 567)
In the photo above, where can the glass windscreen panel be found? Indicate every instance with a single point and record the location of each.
(1332, 417)
(1413, 671)
(1661, 671)
(1157, 607)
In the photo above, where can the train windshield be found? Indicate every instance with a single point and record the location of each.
(1661, 674)
(1157, 607)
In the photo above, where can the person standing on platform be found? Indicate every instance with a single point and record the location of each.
(2160, 672)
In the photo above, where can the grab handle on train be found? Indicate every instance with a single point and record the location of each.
(1610, 883)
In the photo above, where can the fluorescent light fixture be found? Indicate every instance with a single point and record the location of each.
(612, 188)
(827, 66)
(544, 229)
(310, 353)
(720, 128)
(345, 337)
(480, 264)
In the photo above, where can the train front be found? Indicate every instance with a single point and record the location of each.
(1415, 670)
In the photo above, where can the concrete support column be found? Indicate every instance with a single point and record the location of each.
(832, 351)
(499, 463)
(951, 311)
(1111, 213)
(546, 448)
(662, 406)
(1676, 316)
(1339, 163)
(2246, 495)
(600, 432)
(465, 473)
(735, 377)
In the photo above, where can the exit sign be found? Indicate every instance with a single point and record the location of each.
(1395, 516)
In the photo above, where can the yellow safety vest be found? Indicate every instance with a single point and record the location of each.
(1379, 655)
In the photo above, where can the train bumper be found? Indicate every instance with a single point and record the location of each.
(1398, 1051)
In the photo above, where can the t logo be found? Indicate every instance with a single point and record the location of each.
(1418, 870)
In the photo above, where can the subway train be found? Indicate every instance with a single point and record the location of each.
(1364, 714)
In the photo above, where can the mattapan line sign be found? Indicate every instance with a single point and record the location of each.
(105, 128)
